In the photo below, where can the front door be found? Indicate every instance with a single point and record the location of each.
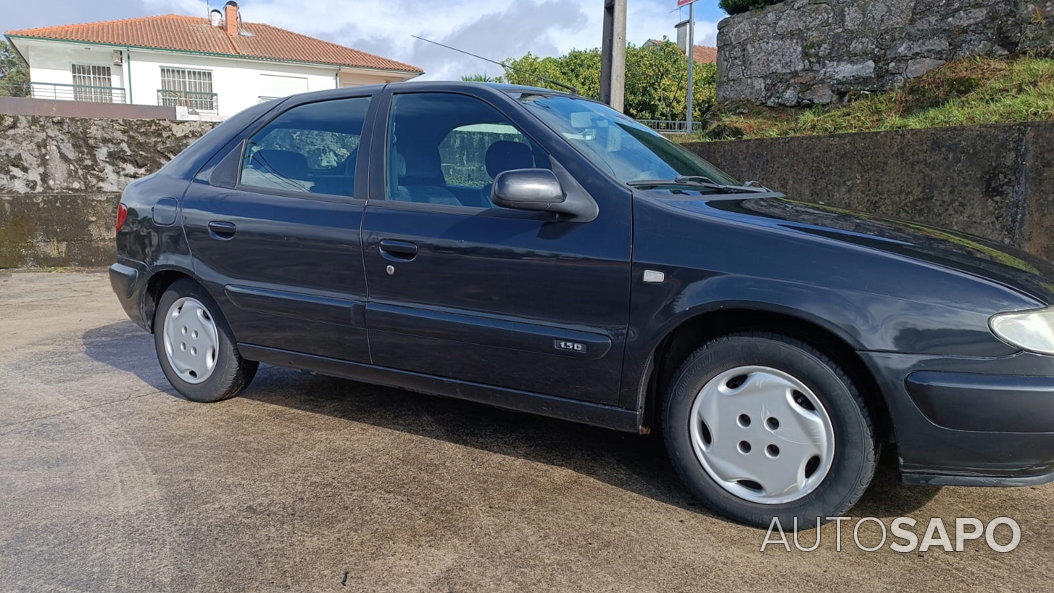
(279, 247)
(461, 289)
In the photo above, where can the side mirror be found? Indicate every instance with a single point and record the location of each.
(527, 189)
(540, 189)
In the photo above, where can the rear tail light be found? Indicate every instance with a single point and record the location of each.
(122, 214)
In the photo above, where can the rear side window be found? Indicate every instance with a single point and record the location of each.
(310, 148)
(446, 149)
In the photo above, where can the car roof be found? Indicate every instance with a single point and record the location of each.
(426, 85)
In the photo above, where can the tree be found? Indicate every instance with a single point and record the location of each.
(656, 79)
(14, 72)
(657, 82)
(481, 77)
(578, 68)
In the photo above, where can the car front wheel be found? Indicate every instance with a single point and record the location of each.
(760, 426)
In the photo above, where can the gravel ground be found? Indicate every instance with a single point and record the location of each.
(109, 481)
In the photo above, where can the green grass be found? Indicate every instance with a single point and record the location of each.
(968, 92)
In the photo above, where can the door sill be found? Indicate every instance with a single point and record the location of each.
(511, 399)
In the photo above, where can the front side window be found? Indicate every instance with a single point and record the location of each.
(446, 149)
(189, 88)
(92, 83)
(628, 150)
(310, 148)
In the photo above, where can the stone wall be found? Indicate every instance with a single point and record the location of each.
(803, 52)
(61, 179)
(994, 181)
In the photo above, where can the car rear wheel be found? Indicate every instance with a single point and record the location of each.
(195, 346)
(760, 426)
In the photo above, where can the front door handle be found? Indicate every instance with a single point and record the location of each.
(398, 250)
(221, 229)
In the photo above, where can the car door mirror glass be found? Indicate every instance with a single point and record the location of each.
(527, 189)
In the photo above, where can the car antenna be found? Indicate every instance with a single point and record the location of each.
(502, 64)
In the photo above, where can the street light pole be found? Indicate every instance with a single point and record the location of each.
(613, 55)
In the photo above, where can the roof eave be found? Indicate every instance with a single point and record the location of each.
(368, 70)
(11, 36)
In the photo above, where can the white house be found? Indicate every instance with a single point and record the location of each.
(207, 68)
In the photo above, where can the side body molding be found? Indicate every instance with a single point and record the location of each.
(302, 306)
(487, 331)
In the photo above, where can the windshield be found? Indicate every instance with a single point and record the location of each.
(629, 151)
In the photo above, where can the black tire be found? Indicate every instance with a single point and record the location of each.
(856, 448)
(232, 373)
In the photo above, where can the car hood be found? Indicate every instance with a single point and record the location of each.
(962, 252)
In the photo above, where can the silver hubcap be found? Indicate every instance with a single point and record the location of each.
(191, 340)
(761, 434)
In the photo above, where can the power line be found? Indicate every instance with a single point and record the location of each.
(502, 64)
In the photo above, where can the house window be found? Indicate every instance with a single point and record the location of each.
(92, 83)
(190, 88)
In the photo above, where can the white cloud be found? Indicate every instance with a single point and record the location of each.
(495, 29)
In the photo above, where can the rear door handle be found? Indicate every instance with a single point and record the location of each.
(398, 250)
(221, 229)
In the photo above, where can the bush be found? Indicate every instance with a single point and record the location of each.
(738, 6)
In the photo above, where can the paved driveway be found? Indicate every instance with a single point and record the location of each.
(110, 481)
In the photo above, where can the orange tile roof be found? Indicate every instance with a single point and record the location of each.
(704, 54)
(194, 34)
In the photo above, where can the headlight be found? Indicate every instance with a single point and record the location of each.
(1031, 330)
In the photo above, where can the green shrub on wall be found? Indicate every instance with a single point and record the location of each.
(738, 6)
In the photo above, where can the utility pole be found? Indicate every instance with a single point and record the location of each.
(613, 55)
(691, 64)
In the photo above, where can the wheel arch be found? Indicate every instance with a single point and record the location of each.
(704, 325)
(156, 285)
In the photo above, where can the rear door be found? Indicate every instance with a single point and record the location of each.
(277, 240)
(461, 289)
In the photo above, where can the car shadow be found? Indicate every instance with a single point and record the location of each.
(887, 497)
(126, 347)
(627, 461)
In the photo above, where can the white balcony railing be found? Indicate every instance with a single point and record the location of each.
(193, 101)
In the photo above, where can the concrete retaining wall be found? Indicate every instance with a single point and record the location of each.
(61, 178)
(995, 181)
(64, 229)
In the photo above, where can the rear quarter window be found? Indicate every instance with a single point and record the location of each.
(191, 159)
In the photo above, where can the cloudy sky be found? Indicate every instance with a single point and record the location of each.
(493, 28)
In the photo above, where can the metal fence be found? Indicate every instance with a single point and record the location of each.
(200, 102)
(672, 126)
(65, 92)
